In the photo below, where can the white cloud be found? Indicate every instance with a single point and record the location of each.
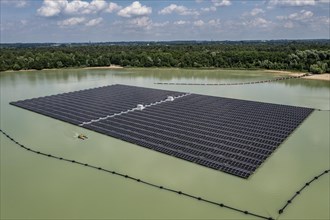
(292, 2)
(254, 12)
(257, 11)
(113, 7)
(135, 9)
(221, 3)
(21, 3)
(163, 24)
(179, 9)
(83, 7)
(199, 23)
(214, 22)
(212, 8)
(16, 3)
(23, 22)
(298, 16)
(181, 22)
(302, 15)
(141, 22)
(327, 21)
(52, 8)
(257, 22)
(289, 25)
(76, 7)
(94, 22)
(71, 21)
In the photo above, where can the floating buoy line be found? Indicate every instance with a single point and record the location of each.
(198, 198)
(301, 189)
(233, 84)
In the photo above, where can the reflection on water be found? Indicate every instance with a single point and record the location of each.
(34, 187)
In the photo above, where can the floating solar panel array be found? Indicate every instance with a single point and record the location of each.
(234, 136)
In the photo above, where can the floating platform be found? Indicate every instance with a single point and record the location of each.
(230, 135)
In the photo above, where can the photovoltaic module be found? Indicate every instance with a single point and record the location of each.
(230, 135)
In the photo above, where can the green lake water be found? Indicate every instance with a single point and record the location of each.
(36, 187)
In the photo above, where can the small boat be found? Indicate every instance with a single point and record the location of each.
(82, 137)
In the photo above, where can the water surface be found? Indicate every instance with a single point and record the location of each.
(41, 188)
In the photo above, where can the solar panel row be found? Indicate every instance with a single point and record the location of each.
(234, 136)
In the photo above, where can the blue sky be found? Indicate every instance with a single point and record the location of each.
(28, 21)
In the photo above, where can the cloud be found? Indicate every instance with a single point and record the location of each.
(16, 3)
(298, 16)
(221, 3)
(163, 24)
(83, 7)
(113, 7)
(212, 8)
(179, 9)
(254, 12)
(135, 9)
(52, 8)
(327, 21)
(24, 22)
(292, 2)
(214, 22)
(288, 25)
(21, 3)
(199, 23)
(141, 22)
(181, 22)
(94, 22)
(257, 11)
(71, 21)
(257, 22)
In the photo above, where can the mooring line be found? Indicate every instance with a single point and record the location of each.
(138, 108)
(301, 189)
(222, 205)
(232, 84)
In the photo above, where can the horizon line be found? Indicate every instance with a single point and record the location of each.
(164, 41)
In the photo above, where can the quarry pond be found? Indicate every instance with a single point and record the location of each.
(34, 187)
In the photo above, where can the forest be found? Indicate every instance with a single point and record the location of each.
(305, 56)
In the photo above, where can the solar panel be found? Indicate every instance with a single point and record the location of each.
(230, 135)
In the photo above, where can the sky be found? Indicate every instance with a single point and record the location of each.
(65, 21)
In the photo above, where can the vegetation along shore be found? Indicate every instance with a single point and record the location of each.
(302, 56)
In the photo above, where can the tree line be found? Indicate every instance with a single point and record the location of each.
(289, 55)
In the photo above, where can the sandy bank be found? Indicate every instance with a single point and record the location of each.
(285, 72)
(105, 67)
(325, 76)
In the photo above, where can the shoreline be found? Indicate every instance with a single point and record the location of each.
(322, 77)
(103, 67)
(290, 73)
(68, 68)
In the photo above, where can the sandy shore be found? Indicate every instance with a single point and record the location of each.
(325, 76)
(285, 72)
(105, 67)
